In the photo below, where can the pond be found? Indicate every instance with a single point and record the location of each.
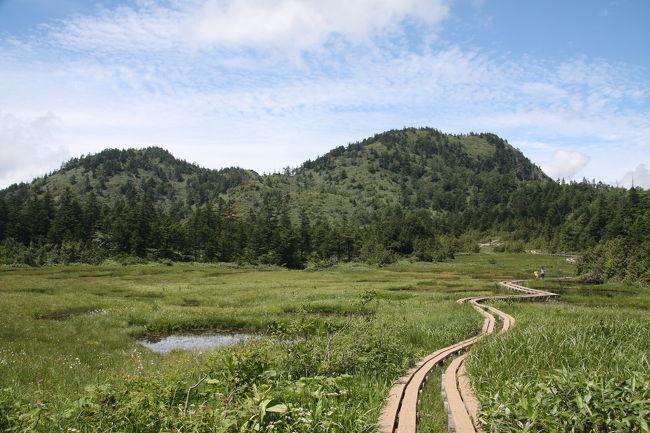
(191, 341)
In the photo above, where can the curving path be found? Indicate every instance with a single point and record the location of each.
(570, 258)
(400, 413)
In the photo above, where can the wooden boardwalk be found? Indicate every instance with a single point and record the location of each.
(400, 413)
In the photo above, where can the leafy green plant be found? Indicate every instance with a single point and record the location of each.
(571, 402)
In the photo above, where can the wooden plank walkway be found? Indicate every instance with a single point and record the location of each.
(400, 413)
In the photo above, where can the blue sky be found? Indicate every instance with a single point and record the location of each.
(265, 84)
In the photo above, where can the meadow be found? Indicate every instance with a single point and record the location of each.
(581, 363)
(331, 342)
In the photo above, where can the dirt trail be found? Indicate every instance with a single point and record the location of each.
(400, 413)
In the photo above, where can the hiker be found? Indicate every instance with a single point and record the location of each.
(541, 272)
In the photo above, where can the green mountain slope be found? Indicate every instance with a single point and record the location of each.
(413, 168)
(152, 172)
(421, 168)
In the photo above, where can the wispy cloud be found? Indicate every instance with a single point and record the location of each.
(308, 24)
(145, 27)
(221, 81)
(282, 25)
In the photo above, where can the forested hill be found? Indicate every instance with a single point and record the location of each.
(427, 151)
(407, 193)
(421, 168)
(153, 173)
(417, 168)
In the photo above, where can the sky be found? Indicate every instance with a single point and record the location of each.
(266, 84)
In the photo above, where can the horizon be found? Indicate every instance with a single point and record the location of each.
(265, 85)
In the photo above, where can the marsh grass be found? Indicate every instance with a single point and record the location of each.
(586, 349)
(340, 330)
(337, 339)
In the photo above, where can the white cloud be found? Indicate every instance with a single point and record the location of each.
(565, 164)
(309, 23)
(285, 25)
(640, 176)
(25, 148)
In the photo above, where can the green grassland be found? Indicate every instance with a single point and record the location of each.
(331, 342)
(580, 363)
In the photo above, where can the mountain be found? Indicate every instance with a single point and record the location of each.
(153, 172)
(411, 192)
(421, 168)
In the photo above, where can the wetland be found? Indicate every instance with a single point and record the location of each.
(70, 357)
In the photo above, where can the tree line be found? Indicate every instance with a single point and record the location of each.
(39, 231)
(609, 226)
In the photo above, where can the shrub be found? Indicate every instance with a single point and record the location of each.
(514, 247)
(616, 259)
(374, 253)
(437, 249)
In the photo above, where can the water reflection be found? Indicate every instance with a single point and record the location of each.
(192, 342)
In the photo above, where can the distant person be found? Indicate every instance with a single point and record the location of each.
(541, 272)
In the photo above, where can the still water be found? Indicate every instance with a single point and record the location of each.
(192, 342)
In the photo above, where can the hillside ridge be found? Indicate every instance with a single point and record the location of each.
(412, 167)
